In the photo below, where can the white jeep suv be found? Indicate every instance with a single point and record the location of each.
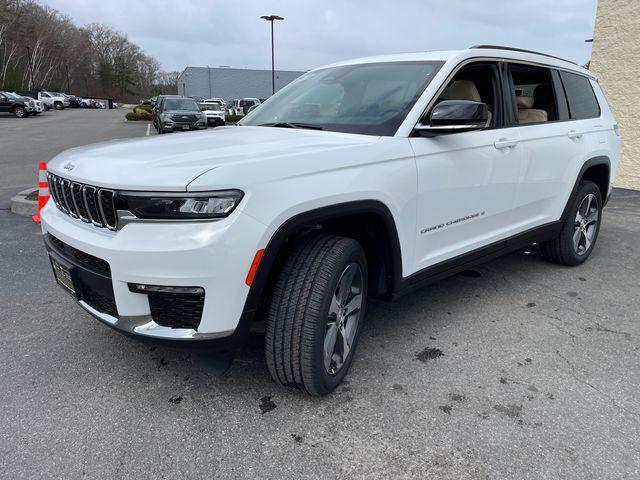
(365, 178)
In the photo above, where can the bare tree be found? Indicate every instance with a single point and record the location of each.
(42, 48)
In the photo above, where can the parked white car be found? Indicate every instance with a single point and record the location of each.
(365, 178)
(214, 111)
(241, 106)
(216, 100)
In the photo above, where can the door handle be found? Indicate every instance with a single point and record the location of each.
(505, 143)
(574, 134)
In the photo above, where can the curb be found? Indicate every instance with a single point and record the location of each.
(22, 206)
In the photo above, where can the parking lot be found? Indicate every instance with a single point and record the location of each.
(518, 369)
(26, 141)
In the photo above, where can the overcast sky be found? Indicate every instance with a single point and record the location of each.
(222, 32)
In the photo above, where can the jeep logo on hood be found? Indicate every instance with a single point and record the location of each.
(69, 166)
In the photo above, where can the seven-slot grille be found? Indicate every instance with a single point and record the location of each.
(88, 203)
(181, 118)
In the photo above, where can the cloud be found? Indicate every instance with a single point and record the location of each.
(214, 32)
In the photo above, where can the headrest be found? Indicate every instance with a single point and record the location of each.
(524, 102)
(543, 95)
(464, 90)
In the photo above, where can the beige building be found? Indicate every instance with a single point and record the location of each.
(616, 62)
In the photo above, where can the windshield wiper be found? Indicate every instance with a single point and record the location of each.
(309, 126)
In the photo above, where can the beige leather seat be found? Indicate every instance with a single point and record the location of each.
(466, 90)
(526, 114)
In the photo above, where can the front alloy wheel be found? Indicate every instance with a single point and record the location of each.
(342, 322)
(315, 313)
(20, 112)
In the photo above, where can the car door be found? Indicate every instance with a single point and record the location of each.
(157, 110)
(5, 103)
(546, 141)
(466, 181)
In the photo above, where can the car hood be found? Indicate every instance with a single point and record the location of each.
(170, 162)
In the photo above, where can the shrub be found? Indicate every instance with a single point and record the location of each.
(146, 108)
(139, 115)
(232, 118)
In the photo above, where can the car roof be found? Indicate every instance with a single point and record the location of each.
(457, 56)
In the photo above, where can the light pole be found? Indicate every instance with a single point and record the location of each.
(68, 82)
(271, 18)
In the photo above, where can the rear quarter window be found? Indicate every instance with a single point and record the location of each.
(580, 96)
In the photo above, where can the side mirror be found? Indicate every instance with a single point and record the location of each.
(451, 116)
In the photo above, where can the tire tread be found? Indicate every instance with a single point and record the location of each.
(298, 294)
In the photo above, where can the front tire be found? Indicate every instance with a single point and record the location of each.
(316, 313)
(20, 112)
(58, 106)
(580, 230)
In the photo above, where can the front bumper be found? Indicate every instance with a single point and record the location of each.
(179, 126)
(215, 120)
(213, 255)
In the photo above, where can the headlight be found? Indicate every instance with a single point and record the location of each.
(188, 206)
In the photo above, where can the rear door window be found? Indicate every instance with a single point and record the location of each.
(580, 96)
(535, 97)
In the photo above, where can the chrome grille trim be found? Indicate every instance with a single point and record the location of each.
(52, 189)
(58, 187)
(66, 196)
(89, 192)
(110, 194)
(80, 207)
(85, 202)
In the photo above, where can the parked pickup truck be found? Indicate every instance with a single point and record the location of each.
(50, 99)
(20, 107)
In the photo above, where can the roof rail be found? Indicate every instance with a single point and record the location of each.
(514, 49)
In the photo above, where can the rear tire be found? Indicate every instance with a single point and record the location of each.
(58, 106)
(580, 230)
(316, 313)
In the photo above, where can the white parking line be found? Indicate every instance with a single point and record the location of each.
(148, 129)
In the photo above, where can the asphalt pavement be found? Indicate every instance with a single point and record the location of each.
(518, 369)
(24, 142)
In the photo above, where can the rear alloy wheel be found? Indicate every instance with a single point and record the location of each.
(316, 312)
(586, 224)
(20, 112)
(580, 230)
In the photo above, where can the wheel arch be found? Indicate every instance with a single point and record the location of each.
(596, 169)
(333, 219)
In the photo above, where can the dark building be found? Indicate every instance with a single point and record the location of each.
(231, 83)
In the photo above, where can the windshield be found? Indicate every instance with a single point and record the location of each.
(180, 104)
(371, 99)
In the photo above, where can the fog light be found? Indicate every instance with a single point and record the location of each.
(141, 288)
